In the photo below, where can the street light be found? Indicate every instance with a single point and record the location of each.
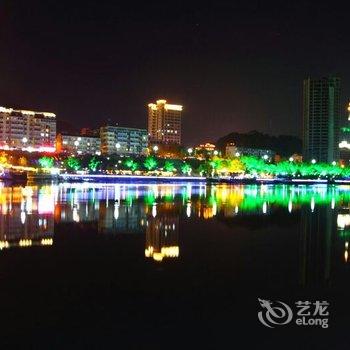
(24, 140)
(313, 161)
(334, 162)
(291, 159)
(189, 150)
(237, 154)
(117, 145)
(216, 153)
(155, 148)
(265, 156)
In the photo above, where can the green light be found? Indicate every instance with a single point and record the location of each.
(131, 164)
(150, 163)
(186, 169)
(256, 166)
(169, 166)
(46, 162)
(73, 163)
(94, 163)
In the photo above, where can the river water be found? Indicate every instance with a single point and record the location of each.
(95, 265)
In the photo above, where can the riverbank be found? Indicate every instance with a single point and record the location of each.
(68, 177)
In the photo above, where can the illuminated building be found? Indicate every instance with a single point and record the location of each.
(210, 147)
(321, 117)
(27, 130)
(78, 144)
(232, 150)
(164, 122)
(205, 149)
(122, 140)
(295, 157)
(344, 144)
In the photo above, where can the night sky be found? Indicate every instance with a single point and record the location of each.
(235, 66)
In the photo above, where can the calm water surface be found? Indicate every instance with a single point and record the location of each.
(95, 265)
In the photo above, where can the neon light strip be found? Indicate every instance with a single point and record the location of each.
(88, 185)
(262, 179)
(310, 180)
(45, 149)
(94, 176)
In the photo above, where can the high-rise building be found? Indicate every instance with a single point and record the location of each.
(27, 130)
(120, 140)
(321, 119)
(164, 122)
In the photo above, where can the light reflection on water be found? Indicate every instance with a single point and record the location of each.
(29, 214)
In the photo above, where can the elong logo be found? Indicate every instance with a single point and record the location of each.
(277, 313)
(274, 313)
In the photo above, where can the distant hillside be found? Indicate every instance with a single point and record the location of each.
(283, 145)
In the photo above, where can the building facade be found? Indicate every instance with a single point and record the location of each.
(78, 144)
(344, 140)
(121, 140)
(321, 119)
(164, 122)
(232, 150)
(27, 130)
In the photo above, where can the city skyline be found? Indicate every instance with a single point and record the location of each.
(323, 121)
(251, 63)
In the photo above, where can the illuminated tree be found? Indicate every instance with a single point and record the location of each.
(150, 163)
(253, 165)
(22, 161)
(285, 168)
(202, 169)
(73, 163)
(235, 166)
(46, 162)
(169, 166)
(186, 169)
(215, 165)
(345, 172)
(94, 163)
(3, 158)
(131, 164)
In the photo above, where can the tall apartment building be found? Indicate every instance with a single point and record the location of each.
(121, 140)
(27, 130)
(321, 119)
(78, 144)
(164, 122)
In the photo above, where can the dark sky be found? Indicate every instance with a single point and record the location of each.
(235, 66)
